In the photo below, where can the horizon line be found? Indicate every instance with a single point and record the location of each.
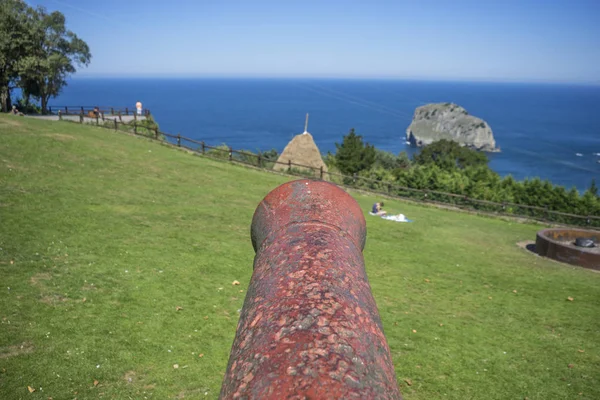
(346, 78)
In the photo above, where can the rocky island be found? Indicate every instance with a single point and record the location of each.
(450, 121)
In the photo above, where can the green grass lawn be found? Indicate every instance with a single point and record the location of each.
(104, 237)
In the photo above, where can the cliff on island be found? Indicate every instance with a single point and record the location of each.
(450, 121)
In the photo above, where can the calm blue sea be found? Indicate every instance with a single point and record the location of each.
(540, 128)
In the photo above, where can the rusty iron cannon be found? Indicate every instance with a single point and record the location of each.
(309, 327)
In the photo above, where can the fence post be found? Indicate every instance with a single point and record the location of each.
(178, 140)
(230, 153)
(203, 147)
(321, 173)
(81, 118)
(82, 109)
(102, 115)
(59, 115)
(156, 133)
(120, 118)
(289, 165)
(135, 127)
(112, 111)
(50, 110)
(135, 116)
(97, 120)
(126, 111)
(259, 160)
(354, 178)
(66, 110)
(116, 128)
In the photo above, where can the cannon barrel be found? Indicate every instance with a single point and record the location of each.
(309, 327)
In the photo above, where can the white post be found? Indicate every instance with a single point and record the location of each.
(306, 125)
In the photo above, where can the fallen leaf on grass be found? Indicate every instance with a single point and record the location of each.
(581, 351)
(570, 365)
(414, 331)
(408, 382)
(427, 280)
(241, 291)
(11, 263)
(490, 297)
(201, 355)
(178, 308)
(570, 298)
(83, 300)
(96, 382)
(175, 366)
(206, 317)
(514, 291)
(31, 390)
(235, 283)
(441, 324)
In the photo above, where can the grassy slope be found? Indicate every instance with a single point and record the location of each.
(103, 235)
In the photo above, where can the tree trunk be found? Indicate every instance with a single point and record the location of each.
(5, 99)
(44, 99)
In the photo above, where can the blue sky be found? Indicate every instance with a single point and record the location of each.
(495, 40)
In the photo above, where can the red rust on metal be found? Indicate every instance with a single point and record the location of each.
(309, 327)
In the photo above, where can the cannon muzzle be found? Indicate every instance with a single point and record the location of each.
(309, 327)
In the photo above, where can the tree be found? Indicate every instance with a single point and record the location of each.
(44, 71)
(387, 160)
(448, 155)
(353, 156)
(15, 42)
(593, 189)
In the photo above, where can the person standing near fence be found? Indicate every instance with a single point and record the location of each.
(138, 105)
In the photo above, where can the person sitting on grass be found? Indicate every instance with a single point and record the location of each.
(378, 209)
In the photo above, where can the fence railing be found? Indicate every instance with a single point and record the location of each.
(542, 214)
(86, 110)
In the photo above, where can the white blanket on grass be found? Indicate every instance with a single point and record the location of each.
(396, 218)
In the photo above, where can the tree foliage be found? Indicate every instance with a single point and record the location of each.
(37, 52)
(353, 155)
(387, 160)
(463, 174)
(14, 44)
(448, 155)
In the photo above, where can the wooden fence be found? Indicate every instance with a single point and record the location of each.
(542, 214)
(86, 110)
